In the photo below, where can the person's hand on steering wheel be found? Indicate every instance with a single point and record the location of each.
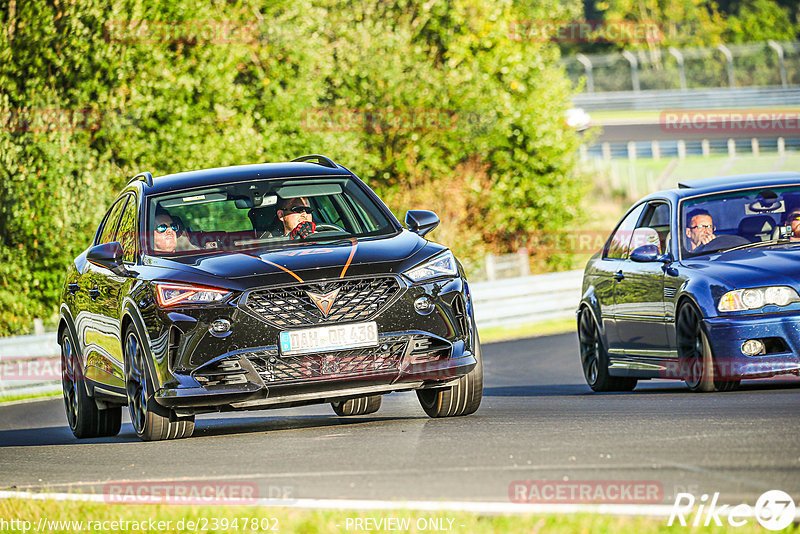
(303, 230)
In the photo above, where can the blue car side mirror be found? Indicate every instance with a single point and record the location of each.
(648, 254)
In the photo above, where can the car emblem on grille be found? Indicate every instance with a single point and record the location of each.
(329, 366)
(323, 302)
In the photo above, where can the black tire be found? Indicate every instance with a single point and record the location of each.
(464, 398)
(358, 406)
(695, 357)
(594, 358)
(85, 419)
(151, 421)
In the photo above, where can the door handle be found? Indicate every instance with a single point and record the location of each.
(618, 276)
(94, 293)
(73, 288)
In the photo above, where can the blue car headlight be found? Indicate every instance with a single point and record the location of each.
(443, 264)
(757, 297)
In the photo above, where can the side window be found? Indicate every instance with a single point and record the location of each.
(126, 233)
(618, 245)
(110, 224)
(655, 227)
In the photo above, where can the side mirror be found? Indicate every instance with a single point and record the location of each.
(648, 254)
(108, 255)
(421, 221)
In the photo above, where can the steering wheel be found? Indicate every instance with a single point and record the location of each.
(329, 226)
(722, 241)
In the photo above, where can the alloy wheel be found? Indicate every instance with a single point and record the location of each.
(135, 383)
(590, 346)
(69, 380)
(690, 346)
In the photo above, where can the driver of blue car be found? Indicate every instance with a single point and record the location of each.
(699, 228)
(296, 214)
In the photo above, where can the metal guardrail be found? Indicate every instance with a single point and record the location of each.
(31, 364)
(527, 299)
(716, 98)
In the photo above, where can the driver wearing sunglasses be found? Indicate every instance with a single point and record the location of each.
(296, 216)
(168, 234)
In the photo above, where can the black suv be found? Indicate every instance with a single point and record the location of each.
(261, 286)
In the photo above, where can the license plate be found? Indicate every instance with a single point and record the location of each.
(328, 338)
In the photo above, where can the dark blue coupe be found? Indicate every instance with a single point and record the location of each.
(699, 283)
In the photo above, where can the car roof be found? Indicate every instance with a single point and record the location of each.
(240, 173)
(723, 183)
(718, 184)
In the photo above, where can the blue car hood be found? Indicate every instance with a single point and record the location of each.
(777, 265)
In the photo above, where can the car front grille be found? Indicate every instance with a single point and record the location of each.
(385, 358)
(356, 300)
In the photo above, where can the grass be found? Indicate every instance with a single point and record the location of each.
(29, 396)
(634, 179)
(545, 328)
(221, 518)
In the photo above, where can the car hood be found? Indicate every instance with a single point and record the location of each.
(304, 263)
(777, 265)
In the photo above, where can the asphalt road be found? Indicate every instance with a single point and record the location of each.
(538, 421)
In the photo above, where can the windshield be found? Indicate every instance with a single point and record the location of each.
(262, 214)
(755, 217)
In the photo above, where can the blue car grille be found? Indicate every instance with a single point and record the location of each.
(356, 300)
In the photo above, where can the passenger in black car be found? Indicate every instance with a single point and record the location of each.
(296, 216)
(699, 228)
(169, 234)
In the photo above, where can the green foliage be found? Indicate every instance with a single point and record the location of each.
(431, 103)
(760, 20)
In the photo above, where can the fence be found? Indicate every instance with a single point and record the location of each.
(511, 301)
(29, 365)
(528, 299)
(745, 65)
(740, 97)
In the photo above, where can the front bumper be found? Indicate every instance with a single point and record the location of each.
(249, 380)
(199, 371)
(780, 332)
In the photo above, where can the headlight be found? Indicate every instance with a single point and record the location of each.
(751, 299)
(443, 264)
(172, 294)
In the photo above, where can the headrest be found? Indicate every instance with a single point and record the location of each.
(263, 218)
(756, 224)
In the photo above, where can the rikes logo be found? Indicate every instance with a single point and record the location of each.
(324, 302)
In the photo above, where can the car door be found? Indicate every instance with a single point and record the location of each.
(606, 270)
(101, 330)
(639, 293)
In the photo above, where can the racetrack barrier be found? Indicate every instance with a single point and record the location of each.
(31, 364)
